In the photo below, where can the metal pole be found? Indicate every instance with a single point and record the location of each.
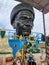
(44, 29)
(44, 25)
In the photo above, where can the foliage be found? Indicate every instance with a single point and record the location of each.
(34, 50)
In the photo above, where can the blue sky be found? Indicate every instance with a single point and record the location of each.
(6, 7)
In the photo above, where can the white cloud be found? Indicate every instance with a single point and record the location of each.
(47, 23)
(6, 8)
(38, 23)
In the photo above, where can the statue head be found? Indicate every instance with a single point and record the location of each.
(22, 17)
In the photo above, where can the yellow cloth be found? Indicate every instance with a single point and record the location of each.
(18, 54)
(4, 45)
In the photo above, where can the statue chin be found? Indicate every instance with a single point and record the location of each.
(26, 33)
(23, 33)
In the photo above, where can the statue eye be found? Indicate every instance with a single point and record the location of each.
(23, 18)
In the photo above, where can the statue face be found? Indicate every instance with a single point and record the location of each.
(23, 22)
